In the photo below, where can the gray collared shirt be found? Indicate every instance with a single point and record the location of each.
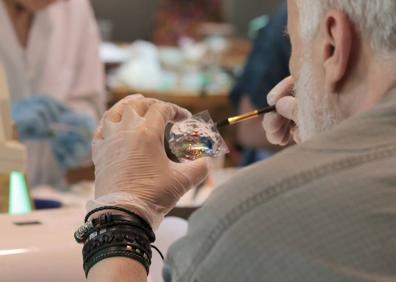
(324, 210)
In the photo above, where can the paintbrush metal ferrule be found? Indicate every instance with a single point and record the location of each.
(246, 116)
(236, 119)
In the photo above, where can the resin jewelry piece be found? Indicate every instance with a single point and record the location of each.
(195, 138)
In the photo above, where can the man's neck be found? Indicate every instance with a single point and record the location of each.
(372, 81)
(381, 81)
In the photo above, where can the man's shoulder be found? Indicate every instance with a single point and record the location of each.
(290, 170)
(300, 216)
(276, 201)
(298, 169)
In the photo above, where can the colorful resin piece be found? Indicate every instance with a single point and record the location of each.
(195, 138)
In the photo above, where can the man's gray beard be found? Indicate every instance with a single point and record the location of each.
(315, 113)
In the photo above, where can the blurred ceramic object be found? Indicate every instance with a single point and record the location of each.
(171, 57)
(111, 53)
(193, 51)
(143, 70)
(217, 44)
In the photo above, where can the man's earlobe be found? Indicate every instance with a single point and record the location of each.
(337, 36)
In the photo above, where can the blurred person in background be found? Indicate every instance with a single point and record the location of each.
(49, 50)
(179, 18)
(267, 65)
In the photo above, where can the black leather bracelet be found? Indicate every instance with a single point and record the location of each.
(93, 231)
(132, 214)
(109, 219)
(116, 242)
(115, 252)
(115, 235)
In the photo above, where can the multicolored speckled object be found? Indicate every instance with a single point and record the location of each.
(195, 138)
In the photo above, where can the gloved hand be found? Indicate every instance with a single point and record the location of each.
(131, 167)
(34, 115)
(280, 126)
(71, 143)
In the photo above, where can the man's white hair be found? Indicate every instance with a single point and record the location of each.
(376, 19)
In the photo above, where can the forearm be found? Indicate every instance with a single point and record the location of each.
(117, 269)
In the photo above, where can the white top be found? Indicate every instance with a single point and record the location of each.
(61, 61)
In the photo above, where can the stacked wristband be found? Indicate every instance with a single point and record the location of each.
(112, 235)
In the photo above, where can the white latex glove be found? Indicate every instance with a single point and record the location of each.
(132, 169)
(280, 126)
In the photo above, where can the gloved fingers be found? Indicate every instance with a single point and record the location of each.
(142, 106)
(288, 136)
(295, 134)
(131, 119)
(277, 137)
(115, 113)
(107, 128)
(287, 107)
(278, 125)
(98, 135)
(282, 89)
(192, 173)
(273, 122)
(98, 131)
(161, 113)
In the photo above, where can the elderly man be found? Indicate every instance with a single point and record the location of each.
(323, 210)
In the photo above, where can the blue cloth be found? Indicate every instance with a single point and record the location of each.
(267, 65)
(34, 115)
(72, 143)
(41, 117)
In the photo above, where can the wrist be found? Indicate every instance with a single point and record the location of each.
(117, 269)
(151, 213)
(107, 235)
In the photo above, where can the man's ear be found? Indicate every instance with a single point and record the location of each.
(337, 38)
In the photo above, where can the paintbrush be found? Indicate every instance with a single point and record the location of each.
(239, 118)
(234, 120)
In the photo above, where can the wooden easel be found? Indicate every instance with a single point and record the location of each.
(13, 154)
